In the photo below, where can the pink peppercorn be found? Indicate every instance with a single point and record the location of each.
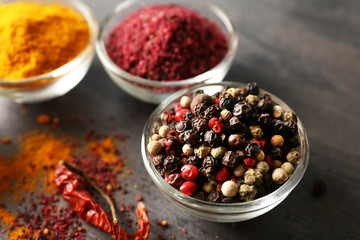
(250, 162)
(189, 172)
(223, 174)
(166, 42)
(178, 107)
(179, 115)
(189, 188)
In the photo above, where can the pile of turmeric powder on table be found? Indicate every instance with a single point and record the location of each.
(38, 38)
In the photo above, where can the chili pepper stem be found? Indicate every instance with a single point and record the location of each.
(74, 168)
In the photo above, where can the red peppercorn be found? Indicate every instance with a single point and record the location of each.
(189, 172)
(188, 188)
(217, 101)
(179, 115)
(178, 107)
(215, 125)
(250, 162)
(174, 179)
(223, 174)
(261, 143)
(212, 122)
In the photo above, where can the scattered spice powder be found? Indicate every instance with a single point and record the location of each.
(166, 42)
(36, 162)
(38, 38)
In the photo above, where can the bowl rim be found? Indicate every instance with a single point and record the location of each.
(200, 205)
(110, 65)
(85, 11)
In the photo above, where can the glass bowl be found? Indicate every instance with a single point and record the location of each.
(221, 212)
(156, 91)
(61, 80)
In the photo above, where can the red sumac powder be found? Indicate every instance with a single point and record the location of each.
(166, 42)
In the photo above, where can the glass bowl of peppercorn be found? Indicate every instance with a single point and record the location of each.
(51, 49)
(154, 48)
(225, 152)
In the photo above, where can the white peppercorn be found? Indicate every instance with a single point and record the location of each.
(276, 163)
(154, 147)
(252, 99)
(218, 152)
(163, 130)
(187, 149)
(253, 177)
(162, 142)
(233, 92)
(260, 156)
(278, 111)
(293, 156)
(288, 115)
(288, 167)
(277, 141)
(208, 187)
(239, 171)
(247, 192)
(262, 166)
(229, 189)
(185, 101)
(279, 176)
(225, 115)
(202, 151)
(155, 137)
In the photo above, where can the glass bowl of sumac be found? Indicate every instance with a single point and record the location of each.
(154, 48)
(225, 152)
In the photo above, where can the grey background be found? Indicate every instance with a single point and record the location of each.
(307, 53)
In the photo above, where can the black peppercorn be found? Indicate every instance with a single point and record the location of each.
(264, 121)
(158, 161)
(227, 200)
(210, 165)
(172, 164)
(200, 124)
(200, 195)
(252, 150)
(199, 110)
(265, 104)
(215, 197)
(277, 153)
(193, 160)
(290, 128)
(226, 101)
(188, 116)
(201, 99)
(242, 111)
(252, 88)
(212, 112)
(293, 141)
(211, 138)
(191, 137)
(182, 126)
(277, 127)
(230, 159)
(236, 140)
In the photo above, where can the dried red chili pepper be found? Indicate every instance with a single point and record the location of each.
(90, 211)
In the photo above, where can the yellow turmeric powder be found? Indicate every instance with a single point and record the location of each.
(38, 38)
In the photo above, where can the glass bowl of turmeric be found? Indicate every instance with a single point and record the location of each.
(47, 48)
(154, 48)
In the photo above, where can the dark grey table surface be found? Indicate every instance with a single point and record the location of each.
(307, 53)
